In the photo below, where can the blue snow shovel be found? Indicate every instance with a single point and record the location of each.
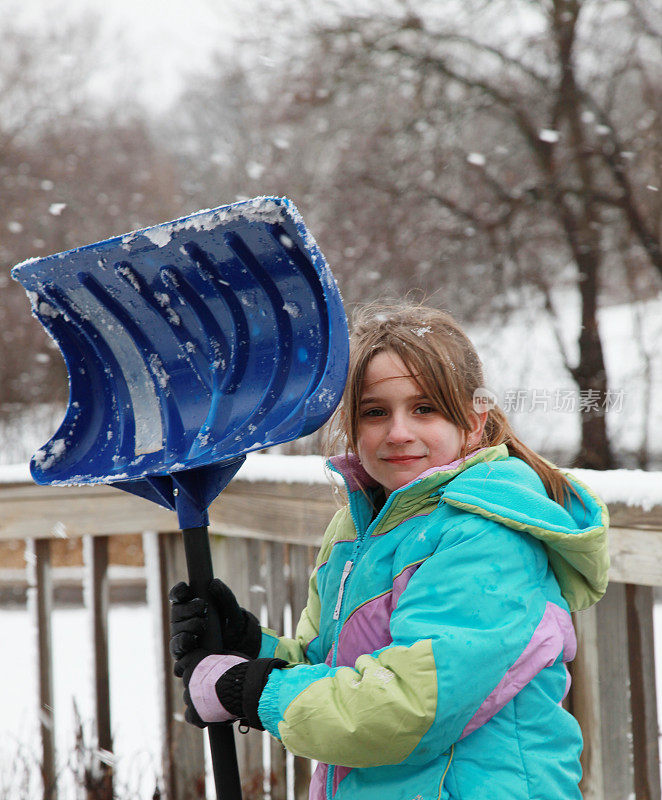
(188, 345)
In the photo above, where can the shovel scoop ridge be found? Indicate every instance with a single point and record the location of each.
(189, 343)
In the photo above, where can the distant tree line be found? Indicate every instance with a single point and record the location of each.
(71, 172)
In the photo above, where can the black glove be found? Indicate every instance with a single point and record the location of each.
(240, 630)
(223, 687)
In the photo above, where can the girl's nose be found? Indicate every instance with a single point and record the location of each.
(398, 431)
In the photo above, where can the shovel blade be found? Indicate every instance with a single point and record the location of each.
(189, 343)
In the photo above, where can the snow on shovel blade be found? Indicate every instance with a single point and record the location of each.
(189, 343)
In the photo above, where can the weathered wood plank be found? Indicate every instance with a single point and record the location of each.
(186, 742)
(258, 743)
(623, 516)
(96, 594)
(614, 694)
(300, 569)
(38, 557)
(257, 594)
(253, 782)
(154, 549)
(584, 700)
(76, 511)
(636, 556)
(296, 515)
(231, 564)
(276, 586)
(643, 697)
(299, 572)
(601, 698)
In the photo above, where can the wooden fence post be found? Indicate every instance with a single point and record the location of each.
(154, 549)
(97, 600)
(38, 557)
(584, 702)
(183, 744)
(299, 573)
(276, 586)
(601, 698)
(643, 696)
(253, 779)
(236, 562)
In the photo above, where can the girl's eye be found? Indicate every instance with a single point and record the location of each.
(372, 412)
(424, 409)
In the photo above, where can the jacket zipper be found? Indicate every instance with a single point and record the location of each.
(345, 574)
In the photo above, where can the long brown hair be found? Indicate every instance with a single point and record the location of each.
(440, 358)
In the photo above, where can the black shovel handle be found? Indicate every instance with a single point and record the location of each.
(221, 735)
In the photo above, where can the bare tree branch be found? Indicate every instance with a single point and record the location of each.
(611, 155)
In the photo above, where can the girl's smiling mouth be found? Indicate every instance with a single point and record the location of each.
(401, 459)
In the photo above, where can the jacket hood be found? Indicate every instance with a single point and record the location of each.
(575, 536)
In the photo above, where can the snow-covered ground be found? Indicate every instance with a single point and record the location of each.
(132, 692)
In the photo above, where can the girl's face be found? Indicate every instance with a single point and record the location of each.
(400, 433)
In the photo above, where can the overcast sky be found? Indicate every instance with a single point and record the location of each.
(159, 41)
(164, 41)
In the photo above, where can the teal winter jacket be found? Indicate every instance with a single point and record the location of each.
(430, 661)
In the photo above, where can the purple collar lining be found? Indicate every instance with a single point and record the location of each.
(351, 469)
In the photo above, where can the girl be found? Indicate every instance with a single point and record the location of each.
(430, 661)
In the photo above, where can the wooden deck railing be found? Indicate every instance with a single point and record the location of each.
(264, 539)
